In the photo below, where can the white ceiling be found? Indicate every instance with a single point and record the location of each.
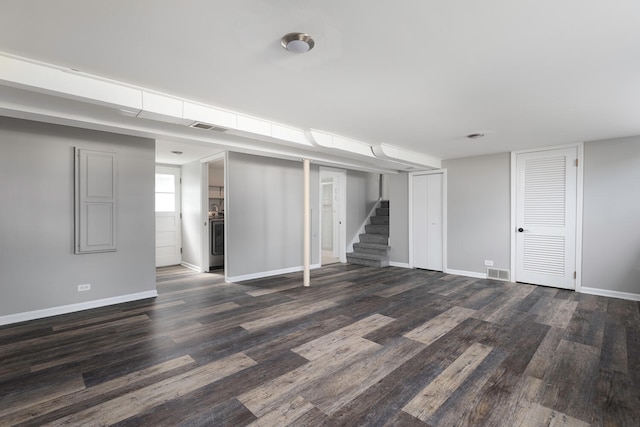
(190, 152)
(418, 74)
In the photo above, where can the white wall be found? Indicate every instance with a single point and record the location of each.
(192, 217)
(38, 267)
(611, 221)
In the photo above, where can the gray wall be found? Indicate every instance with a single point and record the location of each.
(479, 212)
(265, 213)
(38, 267)
(611, 221)
(478, 207)
(192, 220)
(363, 191)
(399, 217)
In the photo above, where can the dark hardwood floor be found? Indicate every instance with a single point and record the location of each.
(362, 346)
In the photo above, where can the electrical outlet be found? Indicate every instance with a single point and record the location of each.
(85, 287)
(488, 263)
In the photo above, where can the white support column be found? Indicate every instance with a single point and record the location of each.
(307, 226)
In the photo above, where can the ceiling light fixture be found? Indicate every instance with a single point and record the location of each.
(176, 152)
(475, 135)
(297, 42)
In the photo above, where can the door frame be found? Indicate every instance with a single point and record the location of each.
(579, 204)
(177, 171)
(341, 220)
(444, 214)
(335, 237)
(206, 236)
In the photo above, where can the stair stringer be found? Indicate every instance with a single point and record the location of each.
(361, 230)
(373, 247)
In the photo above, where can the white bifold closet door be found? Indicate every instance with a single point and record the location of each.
(427, 221)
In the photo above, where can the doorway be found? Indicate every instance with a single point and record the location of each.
(332, 215)
(214, 201)
(427, 195)
(545, 214)
(168, 225)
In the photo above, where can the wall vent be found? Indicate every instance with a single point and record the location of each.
(498, 274)
(207, 126)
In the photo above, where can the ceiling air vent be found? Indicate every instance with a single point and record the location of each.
(498, 274)
(207, 126)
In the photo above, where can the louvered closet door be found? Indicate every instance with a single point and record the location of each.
(546, 217)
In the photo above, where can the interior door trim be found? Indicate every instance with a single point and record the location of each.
(340, 182)
(176, 171)
(205, 243)
(579, 203)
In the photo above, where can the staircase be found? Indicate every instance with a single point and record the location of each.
(373, 249)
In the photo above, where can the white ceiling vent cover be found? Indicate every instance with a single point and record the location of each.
(207, 126)
(498, 274)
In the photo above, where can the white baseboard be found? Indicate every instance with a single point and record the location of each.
(611, 294)
(399, 264)
(466, 273)
(270, 273)
(191, 266)
(64, 309)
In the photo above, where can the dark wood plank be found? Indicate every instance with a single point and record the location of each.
(217, 401)
(587, 327)
(402, 419)
(619, 399)
(353, 349)
(566, 387)
(461, 407)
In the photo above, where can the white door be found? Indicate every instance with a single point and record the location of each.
(427, 221)
(546, 217)
(336, 217)
(327, 217)
(333, 203)
(168, 239)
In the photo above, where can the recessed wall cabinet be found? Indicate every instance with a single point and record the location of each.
(216, 192)
(95, 201)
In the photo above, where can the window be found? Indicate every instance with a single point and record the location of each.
(165, 192)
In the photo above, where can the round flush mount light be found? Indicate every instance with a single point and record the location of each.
(297, 42)
(475, 135)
